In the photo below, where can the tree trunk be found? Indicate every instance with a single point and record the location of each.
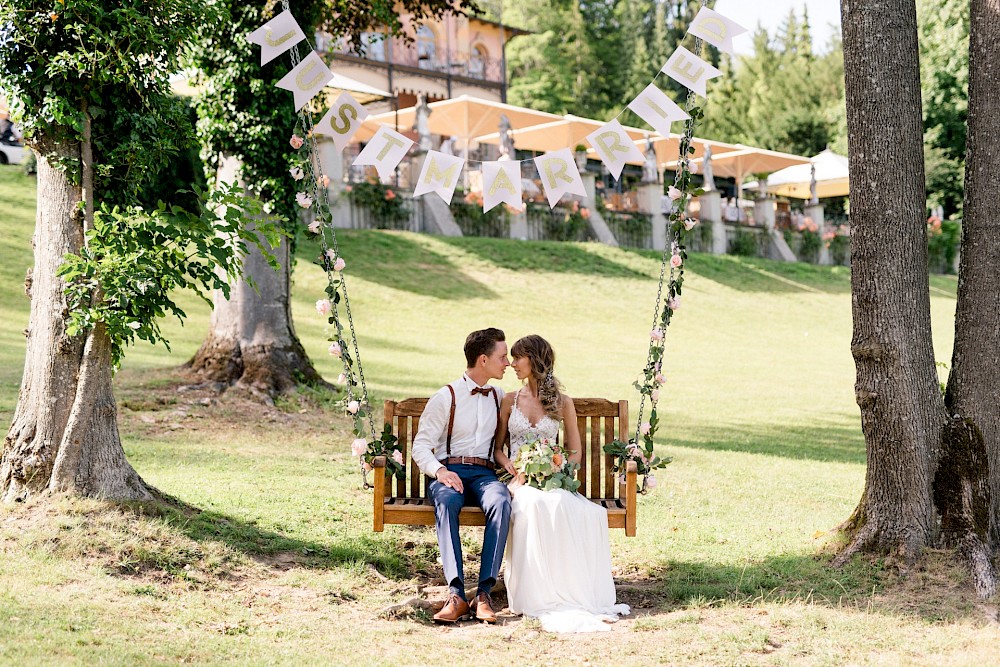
(65, 418)
(902, 411)
(973, 392)
(251, 342)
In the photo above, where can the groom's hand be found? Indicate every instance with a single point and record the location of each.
(450, 479)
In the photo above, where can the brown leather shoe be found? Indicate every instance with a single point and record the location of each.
(454, 610)
(483, 606)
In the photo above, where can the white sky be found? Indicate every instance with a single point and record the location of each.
(824, 18)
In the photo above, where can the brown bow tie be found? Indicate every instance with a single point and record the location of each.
(485, 391)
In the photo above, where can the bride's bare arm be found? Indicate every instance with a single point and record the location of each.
(499, 456)
(572, 433)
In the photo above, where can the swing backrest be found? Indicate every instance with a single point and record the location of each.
(599, 420)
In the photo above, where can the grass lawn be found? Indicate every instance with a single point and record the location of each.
(268, 558)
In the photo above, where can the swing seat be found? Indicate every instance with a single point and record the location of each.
(600, 421)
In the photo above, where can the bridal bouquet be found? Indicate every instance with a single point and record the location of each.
(545, 465)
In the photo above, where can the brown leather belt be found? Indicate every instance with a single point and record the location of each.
(468, 461)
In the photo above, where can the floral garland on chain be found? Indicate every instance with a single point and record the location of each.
(674, 255)
(315, 197)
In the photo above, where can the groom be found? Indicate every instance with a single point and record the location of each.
(454, 445)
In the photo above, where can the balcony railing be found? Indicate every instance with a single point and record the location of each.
(455, 63)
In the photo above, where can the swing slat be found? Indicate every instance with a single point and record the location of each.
(407, 507)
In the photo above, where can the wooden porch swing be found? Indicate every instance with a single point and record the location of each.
(600, 421)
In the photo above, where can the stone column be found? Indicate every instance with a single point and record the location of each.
(332, 163)
(711, 214)
(519, 224)
(597, 224)
(649, 196)
(764, 214)
(815, 211)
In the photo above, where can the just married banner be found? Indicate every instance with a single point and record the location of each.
(501, 179)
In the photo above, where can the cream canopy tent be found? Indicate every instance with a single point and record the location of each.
(361, 91)
(566, 132)
(463, 117)
(746, 160)
(831, 178)
(668, 148)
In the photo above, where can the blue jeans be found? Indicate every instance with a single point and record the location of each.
(483, 489)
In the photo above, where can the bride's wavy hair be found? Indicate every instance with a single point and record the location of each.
(543, 359)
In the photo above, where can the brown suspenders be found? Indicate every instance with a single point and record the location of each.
(451, 422)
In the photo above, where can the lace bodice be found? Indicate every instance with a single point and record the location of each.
(520, 428)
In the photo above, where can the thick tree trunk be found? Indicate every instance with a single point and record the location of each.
(251, 342)
(974, 382)
(64, 435)
(902, 411)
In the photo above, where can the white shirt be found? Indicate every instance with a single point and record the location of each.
(473, 430)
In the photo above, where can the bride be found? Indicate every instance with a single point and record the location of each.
(558, 557)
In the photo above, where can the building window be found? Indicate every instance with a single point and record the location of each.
(374, 45)
(477, 61)
(426, 47)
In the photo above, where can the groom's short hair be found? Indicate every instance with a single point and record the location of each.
(481, 342)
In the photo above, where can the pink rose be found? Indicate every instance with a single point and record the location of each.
(334, 349)
(353, 407)
(656, 334)
(644, 428)
(389, 195)
(331, 255)
(585, 213)
(689, 223)
(359, 446)
(341, 379)
(296, 141)
(397, 456)
(324, 180)
(676, 261)
(655, 395)
(693, 167)
(366, 466)
(303, 200)
(660, 379)
(297, 173)
(314, 227)
(673, 193)
(674, 303)
(339, 264)
(348, 188)
(650, 482)
(323, 307)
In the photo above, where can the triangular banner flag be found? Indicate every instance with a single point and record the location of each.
(384, 151)
(559, 175)
(439, 174)
(277, 36)
(343, 120)
(614, 147)
(716, 29)
(689, 70)
(659, 111)
(308, 77)
(502, 184)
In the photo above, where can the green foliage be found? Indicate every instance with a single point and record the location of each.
(383, 202)
(72, 59)
(133, 261)
(783, 97)
(473, 221)
(744, 244)
(943, 240)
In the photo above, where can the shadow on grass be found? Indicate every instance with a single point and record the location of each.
(267, 545)
(400, 262)
(553, 256)
(828, 442)
(938, 594)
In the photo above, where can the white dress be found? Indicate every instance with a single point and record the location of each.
(558, 555)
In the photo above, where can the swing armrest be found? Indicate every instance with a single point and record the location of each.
(379, 493)
(631, 479)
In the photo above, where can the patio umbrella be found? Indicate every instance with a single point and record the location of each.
(831, 178)
(566, 132)
(361, 91)
(462, 117)
(746, 160)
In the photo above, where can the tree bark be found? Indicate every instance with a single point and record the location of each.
(64, 435)
(973, 393)
(902, 411)
(251, 341)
